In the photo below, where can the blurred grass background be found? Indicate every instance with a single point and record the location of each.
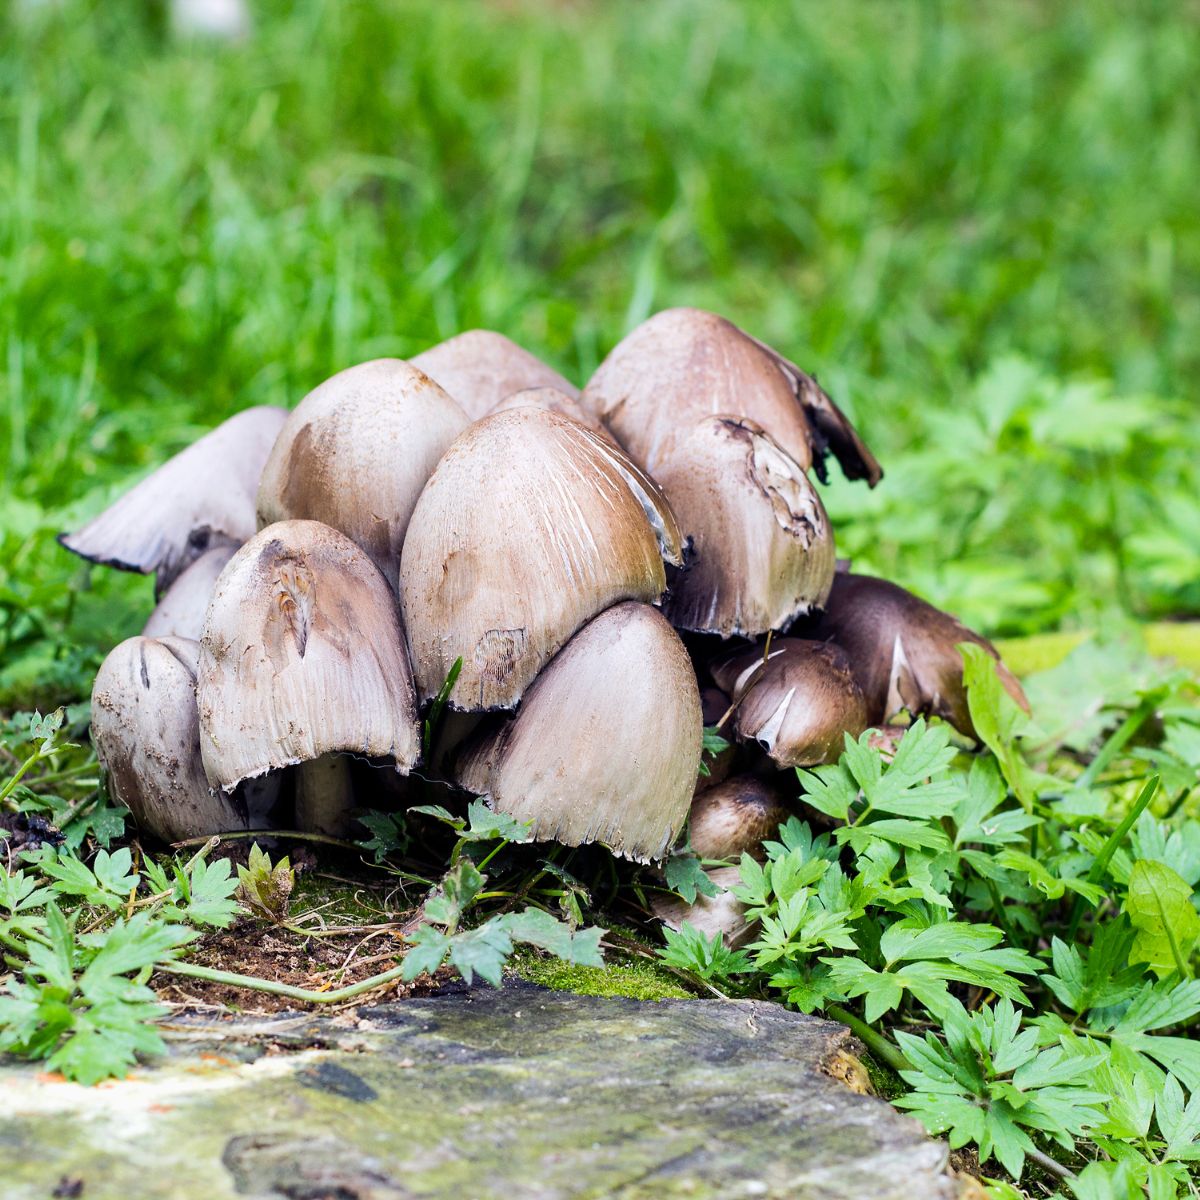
(977, 224)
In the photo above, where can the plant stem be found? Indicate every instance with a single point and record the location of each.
(14, 779)
(1047, 1163)
(291, 835)
(281, 989)
(879, 1045)
(1116, 742)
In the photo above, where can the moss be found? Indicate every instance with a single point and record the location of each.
(635, 978)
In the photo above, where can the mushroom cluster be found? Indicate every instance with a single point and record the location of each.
(586, 577)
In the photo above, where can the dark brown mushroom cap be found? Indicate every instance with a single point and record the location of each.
(480, 368)
(355, 453)
(201, 498)
(606, 744)
(798, 703)
(302, 655)
(530, 526)
(147, 737)
(180, 612)
(733, 817)
(764, 552)
(903, 651)
(684, 364)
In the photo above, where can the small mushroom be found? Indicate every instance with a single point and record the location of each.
(733, 818)
(180, 612)
(147, 738)
(553, 400)
(480, 368)
(356, 452)
(606, 745)
(530, 525)
(684, 364)
(203, 497)
(302, 659)
(722, 913)
(763, 544)
(904, 651)
(797, 702)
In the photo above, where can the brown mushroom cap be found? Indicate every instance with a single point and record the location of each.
(903, 651)
(798, 703)
(732, 818)
(530, 525)
(356, 452)
(147, 737)
(553, 400)
(302, 655)
(764, 550)
(721, 913)
(684, 364)
(180, 612)
(606, 745)
(479, 368)
(203, 497)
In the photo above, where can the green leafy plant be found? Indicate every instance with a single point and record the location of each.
(265, 889)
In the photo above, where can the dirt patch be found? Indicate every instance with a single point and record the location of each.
(316, 962)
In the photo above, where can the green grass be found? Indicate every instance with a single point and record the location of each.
(976, 223)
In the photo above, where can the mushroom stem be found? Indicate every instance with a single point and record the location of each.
(324, 795)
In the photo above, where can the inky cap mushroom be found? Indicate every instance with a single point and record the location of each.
(797, 703)
(684, 364)
(202, 497)
(180, 612)
(903, 651)
(553, 400)
(303, 656)
(479, 368)
(722, 913)
(356, 452)
(147, 737)
(732, 818)
(530, 525)
(763, 543)
(606, 745)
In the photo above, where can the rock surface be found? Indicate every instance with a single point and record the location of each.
(518, 1093)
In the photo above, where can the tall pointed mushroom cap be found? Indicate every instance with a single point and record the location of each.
(606, 745)
(147, 737)
(356, 452)
(797, 704)
(202, 497)
(903, 651)
(302, 655)
(479, 368)
(553, 400)
(764, 546)
(732, 818)
(684, 364)
(530, 525)
(180, 612)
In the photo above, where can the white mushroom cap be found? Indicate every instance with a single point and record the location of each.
(684, 364)
(147, 737)
(530, 525)
(606, 745)
(180, 612)
(356, 452)
(722, 913)
(733, 817)
(553, 400)
(202, 497)
(302, 655)
(764, 551)
(479, 368)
